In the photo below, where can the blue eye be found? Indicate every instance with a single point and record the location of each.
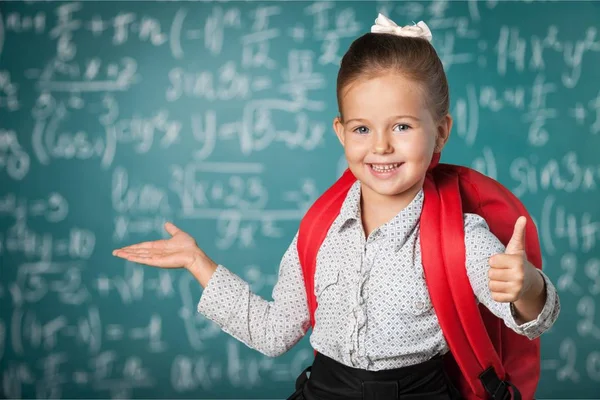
(362, 130)
(404, 126)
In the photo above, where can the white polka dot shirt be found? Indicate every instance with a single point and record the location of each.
(374, 310)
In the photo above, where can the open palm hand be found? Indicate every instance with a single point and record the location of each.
(179, 251)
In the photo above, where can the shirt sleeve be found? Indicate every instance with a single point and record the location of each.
(271, 327)
(480, 245)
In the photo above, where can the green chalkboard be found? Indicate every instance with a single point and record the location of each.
(117, 116)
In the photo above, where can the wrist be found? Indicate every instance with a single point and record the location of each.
(530, 305)
(202, 268)
(538, 285)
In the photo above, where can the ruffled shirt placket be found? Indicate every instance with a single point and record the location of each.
(357, 339)
(357, 328)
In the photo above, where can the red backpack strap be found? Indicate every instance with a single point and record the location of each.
(500, 208)
(313, 229)
(442, 212)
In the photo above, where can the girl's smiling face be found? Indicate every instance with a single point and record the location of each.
(389, 135)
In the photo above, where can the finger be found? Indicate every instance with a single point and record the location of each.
(162, 260)
(145, 245)
(171, 228)
(501, 287)
(503, 297)
(152, 260)
(503, 261)
(516, 245)
(502, 275)
(135, 257)
(138, 251)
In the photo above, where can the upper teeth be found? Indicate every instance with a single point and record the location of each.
(384, 167)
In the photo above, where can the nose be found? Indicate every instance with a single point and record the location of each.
(381, 144)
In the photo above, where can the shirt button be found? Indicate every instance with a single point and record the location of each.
(419, 305)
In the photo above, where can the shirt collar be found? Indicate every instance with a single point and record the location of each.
(350, 210)
(404, 224)
(397, 230)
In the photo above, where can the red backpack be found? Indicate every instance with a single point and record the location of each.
(487, 357)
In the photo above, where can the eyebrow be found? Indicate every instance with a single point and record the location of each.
(395, 117)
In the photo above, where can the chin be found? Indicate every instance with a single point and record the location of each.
(393, 188)
(388, 188)
(391, 192)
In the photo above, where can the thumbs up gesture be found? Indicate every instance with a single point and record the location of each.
(511, 275)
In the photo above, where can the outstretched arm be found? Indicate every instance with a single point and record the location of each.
(271, 327)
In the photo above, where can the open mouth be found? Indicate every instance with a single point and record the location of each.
(383, 168)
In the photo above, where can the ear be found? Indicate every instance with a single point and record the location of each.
(338, 127)
(443, 132)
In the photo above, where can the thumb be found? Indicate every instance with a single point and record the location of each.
(171, 229)
(516, 245)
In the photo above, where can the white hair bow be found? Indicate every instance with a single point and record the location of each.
(385, 25)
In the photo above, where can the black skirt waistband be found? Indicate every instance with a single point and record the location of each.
(331, 380)
(434, 363)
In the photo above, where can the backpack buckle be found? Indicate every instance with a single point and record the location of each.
(497, 389)
(501, 392)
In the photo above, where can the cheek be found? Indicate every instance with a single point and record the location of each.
(421, 149)
(354, 150)
(353, 156)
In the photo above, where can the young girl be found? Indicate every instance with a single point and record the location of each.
(375, 320)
